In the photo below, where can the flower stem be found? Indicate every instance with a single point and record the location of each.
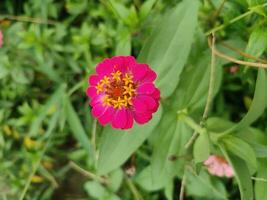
(210, 94)
(182, 190)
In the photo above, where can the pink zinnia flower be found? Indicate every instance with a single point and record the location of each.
(122, 91)
(218, 166)
(1, 38)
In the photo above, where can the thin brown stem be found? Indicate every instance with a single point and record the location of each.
(241, 53)
(234, 60)
(28, 19)
(182, 190)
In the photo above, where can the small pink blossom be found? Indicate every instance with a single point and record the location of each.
(122, 91)
(218, 166)
(1, 38)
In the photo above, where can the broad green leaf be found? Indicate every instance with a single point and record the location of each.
(204, 186)
(124, 43)
(76, 127)
(258, 104)
(241, 149)
(116, 146)
(145, 8)
(168, 47)
(201, 148)
(145, 180)
(257, 42)
(241, 174)
(260, 150)
(168, 156)
(261, 183)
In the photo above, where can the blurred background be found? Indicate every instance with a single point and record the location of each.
(50, 47)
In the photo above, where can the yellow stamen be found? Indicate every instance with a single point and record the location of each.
(118, 103)
(105, 80)
(129, 90)
(106, 100)
(99, 87)
(128, 79)
(127, 101)
(116, 75)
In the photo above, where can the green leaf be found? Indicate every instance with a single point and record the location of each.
(201, 148)
(261, 185)
(116, 146)
(205, 186)
(168, 156)
(241, 149)
(257, 42)
(168, 47)
(124, 43)
(76, 126)
(53, 101)
(241, 174)
(146, 8)
(258, 104)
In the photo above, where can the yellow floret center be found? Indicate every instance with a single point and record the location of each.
(118, 89)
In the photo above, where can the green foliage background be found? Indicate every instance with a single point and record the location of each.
(51, 147)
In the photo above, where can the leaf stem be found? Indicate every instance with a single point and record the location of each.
(182, 190)
(210, 94)
(136, 194)
(87, 173)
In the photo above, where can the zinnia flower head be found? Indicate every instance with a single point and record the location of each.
(122, 91)
(218, 166)
(1, 38)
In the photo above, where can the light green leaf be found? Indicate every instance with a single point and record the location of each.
(124, 43)
(168, 47)
(116, 146)
(257, 42)
(205, 186)
(201, 148)
(261, 184)
(76, 127)
(241, 174)
(168, 156)
(145, 8)
(241, 149)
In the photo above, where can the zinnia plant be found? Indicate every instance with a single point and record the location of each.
(122, 91)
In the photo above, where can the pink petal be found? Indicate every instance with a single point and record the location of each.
(150, 76)
(96, 99)
(139, 105)
(150, 102)
(91, 92)
(156, 94)
(120, 119)
(129, 123)
(98, 110)
(142, 118)
(105, 67)
(107, 116)
(94, 79)
(139, 71)
(146, 88)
